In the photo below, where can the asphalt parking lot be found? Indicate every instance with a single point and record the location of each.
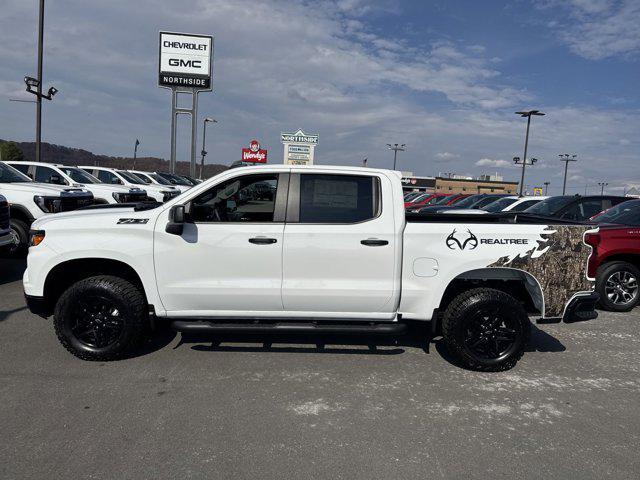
(313, 407)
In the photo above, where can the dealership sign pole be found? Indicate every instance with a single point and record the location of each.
(185, 66)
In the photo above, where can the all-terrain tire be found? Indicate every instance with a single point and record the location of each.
(609, 270)
(465, 316)
(124, 304)
(21, 231)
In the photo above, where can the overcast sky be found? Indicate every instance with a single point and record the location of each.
(444, 77)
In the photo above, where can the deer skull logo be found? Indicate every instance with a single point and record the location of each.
(471, 241)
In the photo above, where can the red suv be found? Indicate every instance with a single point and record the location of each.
(615, 262)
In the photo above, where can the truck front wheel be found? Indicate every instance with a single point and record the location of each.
(486, 329)
(101, 318)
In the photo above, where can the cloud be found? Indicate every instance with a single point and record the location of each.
(599, 29)
(276, 67)
(446, 156)
(488, 162)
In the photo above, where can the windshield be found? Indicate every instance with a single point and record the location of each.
(9, 174)
(468, 202)
(549, 206)
(159, 179)
(499, 205)
(488, 200)
(144, 177)
(625, 213)
(443, 200)
(175, 179)
(79, 176)
(410, 196)
(131, 178)
(191, 181)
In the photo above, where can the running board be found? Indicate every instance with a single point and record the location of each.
(190, 326)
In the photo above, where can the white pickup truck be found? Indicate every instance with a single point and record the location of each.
(296, 248)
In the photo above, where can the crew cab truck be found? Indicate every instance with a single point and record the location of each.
(73, 176)
(331, 251)
(29, 200)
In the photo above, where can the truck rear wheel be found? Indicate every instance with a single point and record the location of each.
(486, 329)
(617, 284)
(101, 318)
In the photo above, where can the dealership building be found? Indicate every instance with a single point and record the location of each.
(458, 184)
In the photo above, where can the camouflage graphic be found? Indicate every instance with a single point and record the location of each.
(558, 262)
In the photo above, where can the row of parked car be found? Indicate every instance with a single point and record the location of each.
(29, 190)
(615, 259)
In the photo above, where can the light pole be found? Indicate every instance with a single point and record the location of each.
(396, 148)
(602, 185)
(528, 115)
(546, 188)
(37, 83)
(204, 135)
(566, 158)
(135, 152)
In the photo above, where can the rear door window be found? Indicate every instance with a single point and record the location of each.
(338, 198)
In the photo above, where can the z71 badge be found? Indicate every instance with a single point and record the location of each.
(133, 221)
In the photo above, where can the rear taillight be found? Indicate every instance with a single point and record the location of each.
(593, 240)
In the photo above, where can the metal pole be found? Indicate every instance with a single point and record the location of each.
(174, 115)
(564, 183)
(204, 135)
(546, 187)
(395, 156)
(194, 132)
(524, 159)
(135, 154)
(39, 95)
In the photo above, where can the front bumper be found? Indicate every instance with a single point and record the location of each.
(38, 306)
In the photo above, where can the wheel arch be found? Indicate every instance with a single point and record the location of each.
(66, 273)
(515, 282)
(632, 258)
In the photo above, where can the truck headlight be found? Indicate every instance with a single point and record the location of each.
(35, 237)
(117, 196)
(48, 204)
(168, 195)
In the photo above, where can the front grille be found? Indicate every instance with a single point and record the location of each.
(132, 197)
(73, 203)
(4, 215)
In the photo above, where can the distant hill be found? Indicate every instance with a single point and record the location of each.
(77, 156)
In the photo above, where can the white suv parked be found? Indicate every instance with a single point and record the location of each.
(114, 176)
(29, 201)
(155, 178)
(76, 177)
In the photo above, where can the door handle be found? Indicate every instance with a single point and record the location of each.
(374, 242)
(262, 240)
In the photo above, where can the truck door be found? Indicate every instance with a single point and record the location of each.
(229, 257)
(340, 245)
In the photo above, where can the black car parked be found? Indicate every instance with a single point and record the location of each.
(574, 207)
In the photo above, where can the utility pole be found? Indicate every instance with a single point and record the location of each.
(546, 188)
(528, 114)
(396, 148)
(37, 84)
(364, 161)
(566, 158)
(602, 185)
(135, 153)
(39, 95)
(204, 135)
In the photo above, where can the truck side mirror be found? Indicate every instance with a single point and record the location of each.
(176, 220)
